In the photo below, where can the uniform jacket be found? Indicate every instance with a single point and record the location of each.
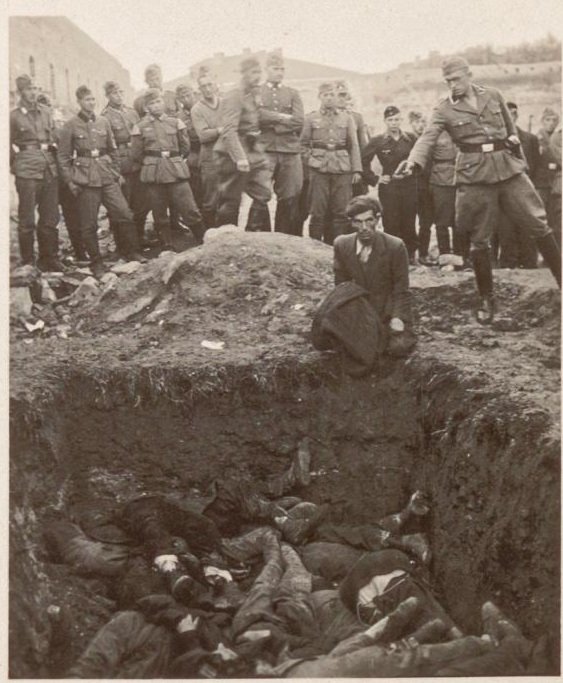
(489, 122)
(165, 134)
(361, 128)
(385, 276)
(79, 137)
(442, 169)
(239, 117)
(531, 148)
(390, 153)
(27, 127)
(277, 135)
(329, 142)
(206, 123)
(170, 104)
(122, 120)
(555, 156)
(185, 115)
(546, 168)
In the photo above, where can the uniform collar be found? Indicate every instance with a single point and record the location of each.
(117, 107)
(402, 135)
(27, 110)
(333, 111)
(152, 117)
(273, 86)
(87, 117)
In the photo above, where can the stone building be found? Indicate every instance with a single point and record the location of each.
(61, 57)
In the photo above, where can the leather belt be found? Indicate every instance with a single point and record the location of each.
(91, 153)
(328, 146)
(165, 154)
(43, 146)
(123, 145)
(493, 146)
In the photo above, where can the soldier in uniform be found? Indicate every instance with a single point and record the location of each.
(555, 157)
(205, 117)
(281, 122)
(424, 208)
(185, 98)
(517, 248)
(153, 79)
(397, 194)
(122, 119)
(90, 167)
(160, 143)
(330, 145)
(547, 169)
(344, 103)
(490, 173)
(242, 165)
(34, 164)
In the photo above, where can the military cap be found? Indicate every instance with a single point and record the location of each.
(362, 203)
(549, 111)
(82, 91)
(416, 116)
(24, 81)
(249, 63)
(110, 86)
(183, 88)
(152, 69)
(274, 59)
(391, 110)
(151, 95)
(452, 64)
(327, 86)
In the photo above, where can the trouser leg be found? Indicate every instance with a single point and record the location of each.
(443, 238)
(390, 203)
(27, 189)
(209, 189)
(182, 199)
(506, 230)
(158, 199)
(407, 218)
(527, 249)
(425, 212)
(89, 200)
(122, 217)
(340, 196)
(521, 202)
(230, 189)
(319, 195)
(303, 203)
(258, 188)
(135, 194)
(69, 208)
(288, 182)
(47, 226)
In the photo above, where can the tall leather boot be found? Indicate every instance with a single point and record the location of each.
(164, 231)
(129, 241)
(549, 249)
(26, 242)
(443, 238)
(485, 311)
(258, 218)
(282, 222)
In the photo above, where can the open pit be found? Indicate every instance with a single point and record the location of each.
(132, 402)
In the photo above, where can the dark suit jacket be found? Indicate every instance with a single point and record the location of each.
(531, 148)
(385, 276)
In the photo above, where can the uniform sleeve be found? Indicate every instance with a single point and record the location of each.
(12, 138)
(183, 138)
(421, 153)
(136, 145)
(306, 139)
(367, 155)
(400, 295)
(204, 132)
(353, 147)
(363, 137)
(65, 152)
(112, 147)
(229, 118)
(297, 113)
(341, 273)
(534, 156)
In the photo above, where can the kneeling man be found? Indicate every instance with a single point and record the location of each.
(379, 263)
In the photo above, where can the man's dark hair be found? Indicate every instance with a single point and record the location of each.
(82, 91)
(361, 204)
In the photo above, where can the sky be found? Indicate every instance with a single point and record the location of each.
(362, 35)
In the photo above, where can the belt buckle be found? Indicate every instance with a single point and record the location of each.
(44, 147)
(488, 147)
(95, 153)
(551, 166)
(331, 147)
(165, 154)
